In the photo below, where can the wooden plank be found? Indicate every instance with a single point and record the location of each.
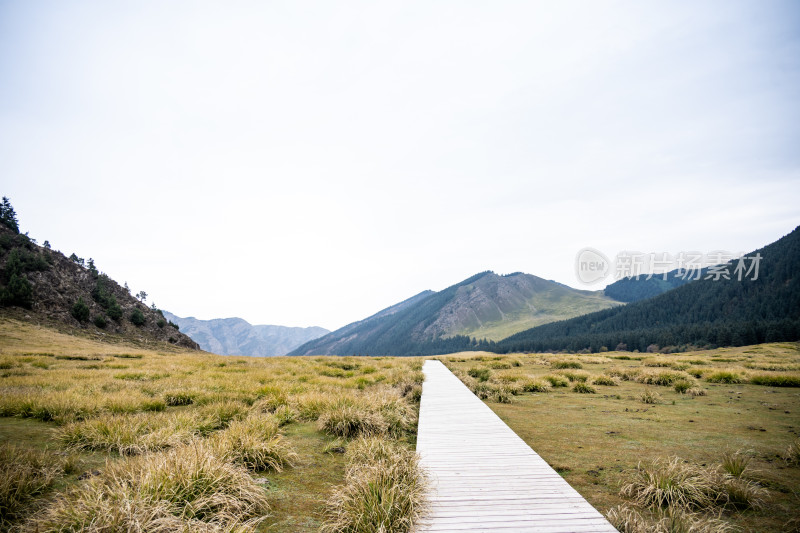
(483, 476)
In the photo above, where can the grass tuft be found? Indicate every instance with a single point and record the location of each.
(563, 365)
(535, 385)
(724, 376)
(189, 488)
(583, 388)
(670, 483)
(776, 380)
(24, 474)
(650, 397)
(557, 381)
(255, 444)
(351, 421)
(481, 374)
(608, 381)
(384, 490)
(682, 385)
(792, 453)
(735, 463)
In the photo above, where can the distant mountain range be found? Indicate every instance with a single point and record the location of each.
(236, 336)
(716, 310)
(484, 306)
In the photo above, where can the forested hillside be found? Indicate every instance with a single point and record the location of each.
(720, 312)
(632, 289)
(72, 291)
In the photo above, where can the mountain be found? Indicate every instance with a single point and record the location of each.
(709, 311)
(486, 305)
(632, 289)
(41, 285)
(235, 336)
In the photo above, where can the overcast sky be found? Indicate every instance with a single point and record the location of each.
(309, 163)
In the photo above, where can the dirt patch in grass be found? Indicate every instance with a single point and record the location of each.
(298, 494)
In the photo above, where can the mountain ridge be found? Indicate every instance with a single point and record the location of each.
(706, 312)
(483, 305)
(236, 336)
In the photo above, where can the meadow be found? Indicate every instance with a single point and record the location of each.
(98, 436)
(697, 441)
(101, 437)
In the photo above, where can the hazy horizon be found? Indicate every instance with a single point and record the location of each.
(311, 164)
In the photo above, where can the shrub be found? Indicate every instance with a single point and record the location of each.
(18, 292)
(114, 311)
(137, 317)
(682, 385)
(80, 311)
(189, 488)
(583, 388)
(100, 321)
(161, 323)
(384, 490)
(724, 376)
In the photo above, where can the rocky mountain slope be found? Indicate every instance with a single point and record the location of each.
(236, 336)
(41, 284)
(486, 305)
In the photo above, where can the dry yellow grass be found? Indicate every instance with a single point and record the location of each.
(137, 407)
(708, 405)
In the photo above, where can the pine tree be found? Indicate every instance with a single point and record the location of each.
(8, 217)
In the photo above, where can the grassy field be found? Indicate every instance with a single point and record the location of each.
(601, 420)
(322, 443)
(99, 437)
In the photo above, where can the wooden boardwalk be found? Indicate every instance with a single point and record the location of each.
(483, 476)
